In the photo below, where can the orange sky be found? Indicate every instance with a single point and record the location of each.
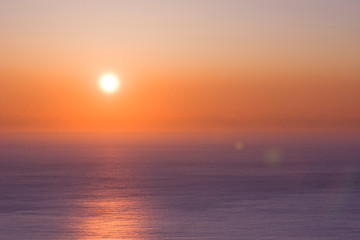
(184, 65)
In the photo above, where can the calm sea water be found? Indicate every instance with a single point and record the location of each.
(260, 186)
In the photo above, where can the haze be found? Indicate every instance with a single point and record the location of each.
(185, 65)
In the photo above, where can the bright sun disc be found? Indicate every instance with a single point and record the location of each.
(109, 83)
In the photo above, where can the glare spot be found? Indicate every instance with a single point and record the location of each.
(239, 146)
(273, 157)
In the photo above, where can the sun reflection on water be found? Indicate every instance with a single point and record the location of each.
(113, 209)
(111, 219)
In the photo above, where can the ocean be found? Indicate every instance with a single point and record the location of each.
(251, 186)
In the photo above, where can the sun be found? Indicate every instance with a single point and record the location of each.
(109, 83)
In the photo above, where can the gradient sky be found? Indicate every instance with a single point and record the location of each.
(185, 65)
